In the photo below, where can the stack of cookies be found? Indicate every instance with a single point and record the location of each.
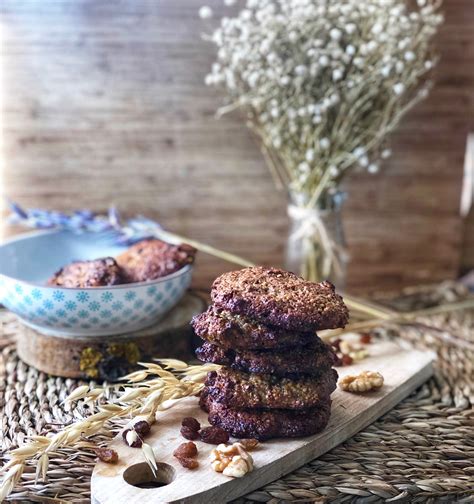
(277, 375)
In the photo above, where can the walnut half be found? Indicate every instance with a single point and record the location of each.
(363, 382)
(231, 460)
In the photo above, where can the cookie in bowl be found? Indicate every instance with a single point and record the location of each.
(153, 258)
(81, 274)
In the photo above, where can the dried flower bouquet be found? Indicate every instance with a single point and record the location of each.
(322, 83)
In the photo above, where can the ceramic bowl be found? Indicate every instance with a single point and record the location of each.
(27, 261)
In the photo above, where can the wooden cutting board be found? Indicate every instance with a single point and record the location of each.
(403, 370)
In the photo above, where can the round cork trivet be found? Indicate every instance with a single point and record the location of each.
(111, 357)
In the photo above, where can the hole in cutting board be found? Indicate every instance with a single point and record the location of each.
(141, 476)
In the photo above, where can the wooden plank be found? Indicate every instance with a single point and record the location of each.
(404, 371)
(104, 103)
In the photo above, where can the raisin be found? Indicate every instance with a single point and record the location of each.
(189, 463)
(214, 435)
(249, 444)
(188, 433)
(186, 450)
(347, 360)
(338, 359)
(365, 338)
(335, 344)
(107, 455)
(191, 422)
(142, 427)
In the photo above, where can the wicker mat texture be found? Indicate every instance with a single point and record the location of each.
(421, 451)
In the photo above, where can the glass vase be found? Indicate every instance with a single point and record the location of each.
(316, 246)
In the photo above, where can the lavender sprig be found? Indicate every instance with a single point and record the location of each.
(85, 220)
(121, 232)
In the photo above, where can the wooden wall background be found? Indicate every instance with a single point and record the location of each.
(104, 102)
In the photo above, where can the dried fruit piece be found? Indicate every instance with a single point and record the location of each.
(363, 382)
(107, 455)
(188, 463)
(142, 428)
(365, 338)
(336, 344)
(214, 435)
(186, 450)
(346, 360)
(249, 444)
(191, 423)
(188, 433)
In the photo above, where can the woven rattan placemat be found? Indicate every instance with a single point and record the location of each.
(421, 451)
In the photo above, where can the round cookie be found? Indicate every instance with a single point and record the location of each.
(151, 259)
(81, 274)
(277, 297)
(236, 389)
(267, 424)
(307, 360)
(242, 333)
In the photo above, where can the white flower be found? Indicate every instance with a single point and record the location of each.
(363, 161)
(409, 56)
(293, 36)
(317, 119)
(335, 34)
(385, 70)
(337, 74)
(386, 153)
(428, 65)
(229, 3)
(373, 168)
(324, 143)
(398, 88)
(285, 80)
(350, 28)
(334, 172)
(399, 66)
(301, 70)
(371, 46)
(324, 60)
(205, 12)
(358, 152)
(304, 167)
(310, 155)
(350, 50)
(377, 28)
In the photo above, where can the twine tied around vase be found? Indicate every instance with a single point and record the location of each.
(311, 228)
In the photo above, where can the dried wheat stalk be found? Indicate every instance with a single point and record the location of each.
(149, 390)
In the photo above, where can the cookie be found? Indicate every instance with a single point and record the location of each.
(96, 273)
(267, 424)
(306, 360)
(280, 298)
(242, 333)
(151, 259)
(236, 389)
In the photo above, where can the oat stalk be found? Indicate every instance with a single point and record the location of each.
(154, 388)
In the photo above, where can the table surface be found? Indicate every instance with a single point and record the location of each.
(420, 450)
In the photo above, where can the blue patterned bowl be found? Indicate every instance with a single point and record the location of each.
(27, 261)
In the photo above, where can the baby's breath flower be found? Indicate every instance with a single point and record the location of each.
(324, 143)
(323, 83)
(205, 12)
